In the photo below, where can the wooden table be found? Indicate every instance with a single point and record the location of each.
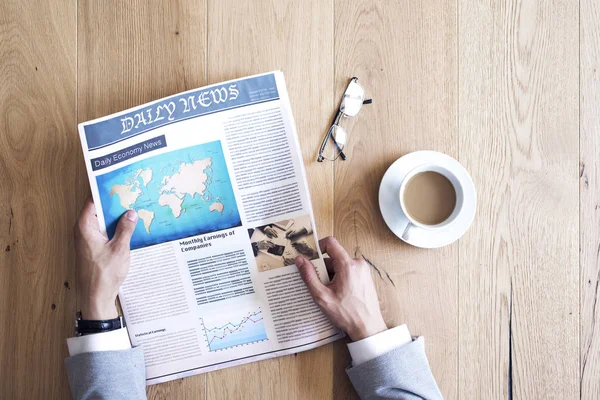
(509, 88)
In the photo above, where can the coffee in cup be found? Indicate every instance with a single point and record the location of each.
(431, 197)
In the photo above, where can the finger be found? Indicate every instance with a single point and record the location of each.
(334, 249)
(125, 229)
(308, 272)
(87, 216)
(88, 211)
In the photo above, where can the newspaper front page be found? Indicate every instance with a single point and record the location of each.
(217, 179)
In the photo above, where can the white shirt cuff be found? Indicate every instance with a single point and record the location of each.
(379, 344)
(105, 341)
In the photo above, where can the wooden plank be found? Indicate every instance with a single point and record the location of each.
(38, 153)
(137, 51)
(589, 206)
(518, 131)
(485, 276)
(404, 53)
(134, 52)
(253, 37)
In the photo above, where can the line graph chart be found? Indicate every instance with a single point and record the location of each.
(232, 330)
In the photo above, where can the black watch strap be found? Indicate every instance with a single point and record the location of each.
(88, 327)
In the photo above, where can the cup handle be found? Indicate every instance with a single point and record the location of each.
(406, 230)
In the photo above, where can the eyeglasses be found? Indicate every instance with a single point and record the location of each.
(332, 146)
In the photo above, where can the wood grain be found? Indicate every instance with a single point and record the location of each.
(507, 87)
(518, 131)
(296, 37)
(39, 150)
(405, 56)
(133, 52)
(137, 51)
(589, 185)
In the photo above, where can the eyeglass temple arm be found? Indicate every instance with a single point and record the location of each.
(336, 121)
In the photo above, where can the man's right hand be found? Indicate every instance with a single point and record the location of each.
(102, 265)
(350, 300)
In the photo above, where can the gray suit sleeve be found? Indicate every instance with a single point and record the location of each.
(402, 373)
(107, 374)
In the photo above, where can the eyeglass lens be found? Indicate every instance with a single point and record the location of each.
(353, 99)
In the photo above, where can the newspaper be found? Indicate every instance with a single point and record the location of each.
(217, 179)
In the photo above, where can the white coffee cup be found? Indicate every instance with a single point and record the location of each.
(411, 223)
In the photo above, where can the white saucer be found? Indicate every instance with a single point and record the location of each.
(389, 202)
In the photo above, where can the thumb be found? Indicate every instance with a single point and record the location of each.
(125, 229)
(308, 272)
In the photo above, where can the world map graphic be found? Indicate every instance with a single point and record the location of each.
(177, 194)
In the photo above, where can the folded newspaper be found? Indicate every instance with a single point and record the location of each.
(217, 179)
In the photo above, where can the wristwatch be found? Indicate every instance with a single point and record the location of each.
(88, 327)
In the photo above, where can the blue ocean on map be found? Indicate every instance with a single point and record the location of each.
(178, 194)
